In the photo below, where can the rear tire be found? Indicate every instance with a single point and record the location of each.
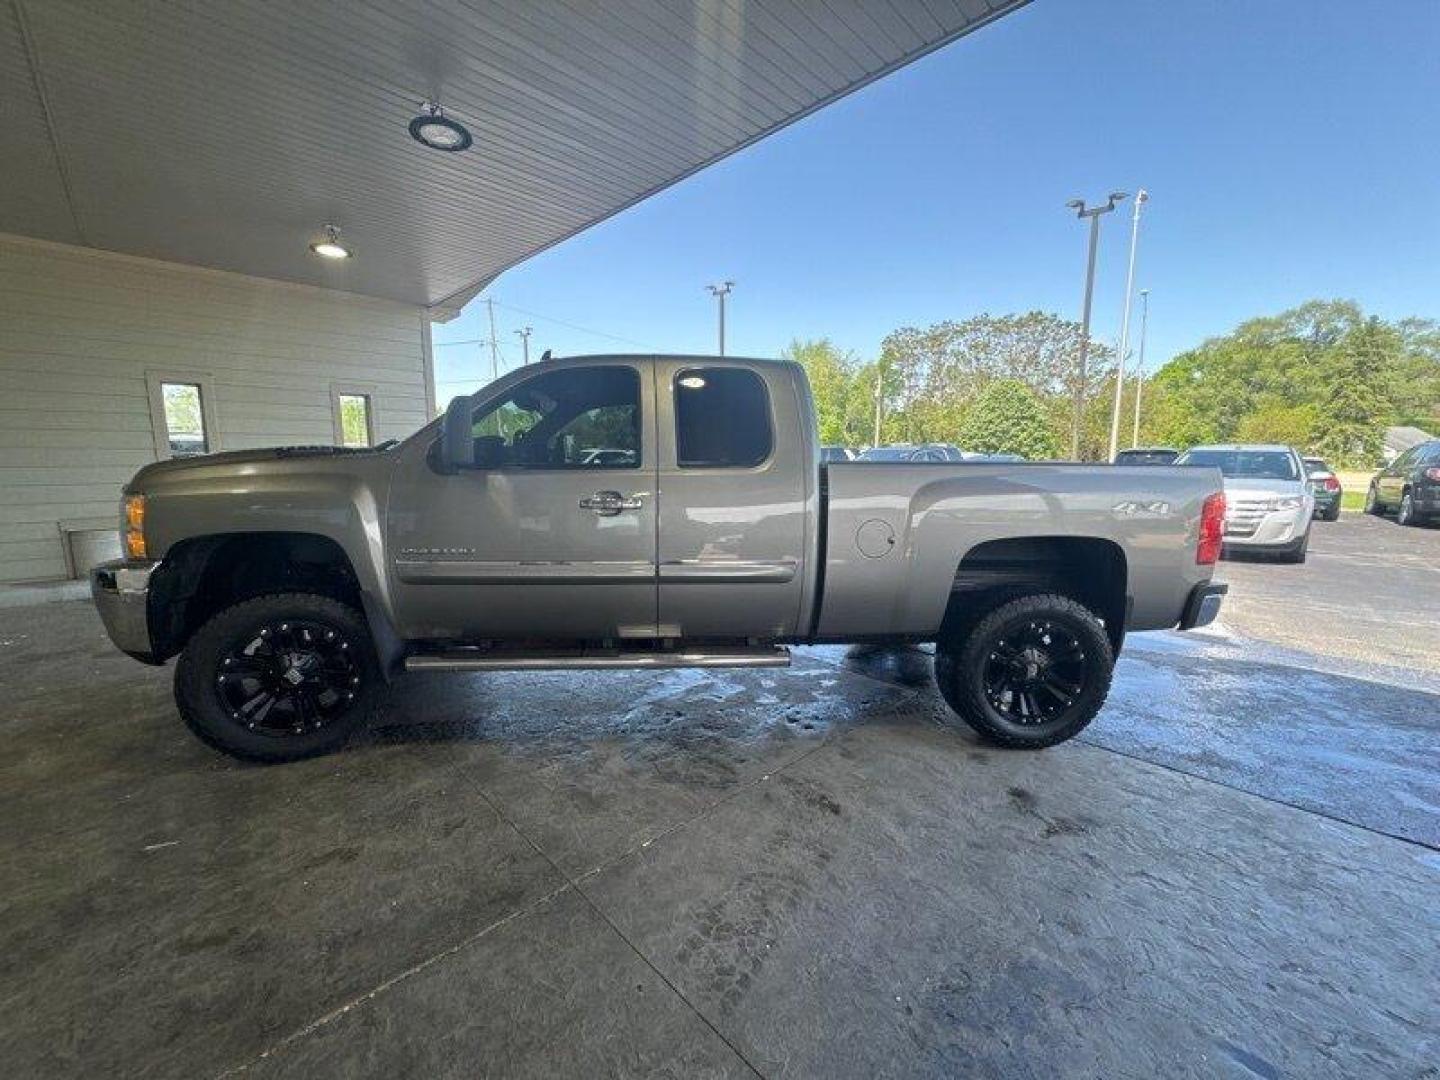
(279, 677)
(1031, 673)
(1333, 514)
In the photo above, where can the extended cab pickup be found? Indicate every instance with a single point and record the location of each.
(632, 512)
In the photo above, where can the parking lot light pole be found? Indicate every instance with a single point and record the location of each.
(1140, 197)
(524, 336)
(1140, 366)
(720, 292)
(1093, 213)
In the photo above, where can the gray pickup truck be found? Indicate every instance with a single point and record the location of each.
(639, 512)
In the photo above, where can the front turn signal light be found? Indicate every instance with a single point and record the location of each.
(133, 527)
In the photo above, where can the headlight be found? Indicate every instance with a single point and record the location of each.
(1288, 502)
(132, 526)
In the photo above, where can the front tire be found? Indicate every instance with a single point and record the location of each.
(1372, 501)
(1029, 674)
(1406, 514)
(1298, 552)
(279, 677)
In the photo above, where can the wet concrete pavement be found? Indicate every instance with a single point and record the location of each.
(792, 873)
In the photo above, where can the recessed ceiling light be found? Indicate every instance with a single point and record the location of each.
(330, 247)
(434, 129)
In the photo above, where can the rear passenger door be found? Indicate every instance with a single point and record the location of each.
(732, 500)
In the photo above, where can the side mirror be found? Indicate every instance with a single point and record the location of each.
(457, 444)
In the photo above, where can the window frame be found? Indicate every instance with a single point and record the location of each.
(500, 398)
(348, 389)
(155, 380)
(769, 411)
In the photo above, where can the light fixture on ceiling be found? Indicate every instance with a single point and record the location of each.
(331, 247)
(434, 129)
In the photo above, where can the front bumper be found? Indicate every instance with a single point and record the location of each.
(1269, 529)
(1203, 605)
(121, 591)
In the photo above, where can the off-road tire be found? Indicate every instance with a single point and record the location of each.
(961, 661)
(200, 667)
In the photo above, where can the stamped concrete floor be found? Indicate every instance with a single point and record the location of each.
(801, 873)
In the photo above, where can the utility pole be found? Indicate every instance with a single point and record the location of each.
(1140, 197)
(720, 292)
(1140, 367)
(494, 342)
(524, 336)
(1093, 213)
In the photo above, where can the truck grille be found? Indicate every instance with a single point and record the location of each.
(1243, 516)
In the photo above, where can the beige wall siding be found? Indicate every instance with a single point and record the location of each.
(79, 332)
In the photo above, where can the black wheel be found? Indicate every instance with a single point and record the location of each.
(1029, 674)
(278, 678)
(1406, 513)
(1333, 514)
(1372, 501)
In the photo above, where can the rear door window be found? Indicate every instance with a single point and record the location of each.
(722, 419)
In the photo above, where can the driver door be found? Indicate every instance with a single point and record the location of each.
(552, 534)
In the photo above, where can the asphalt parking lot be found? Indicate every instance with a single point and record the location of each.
(1234, 872)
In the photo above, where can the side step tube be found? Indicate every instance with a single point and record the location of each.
(597, 659)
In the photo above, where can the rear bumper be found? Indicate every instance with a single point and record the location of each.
(1203, 604)
(121, 591)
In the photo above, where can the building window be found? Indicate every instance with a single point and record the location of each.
(182, 414)
(355, 428)
(722, 419)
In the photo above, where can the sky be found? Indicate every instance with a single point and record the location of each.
(1291, 150)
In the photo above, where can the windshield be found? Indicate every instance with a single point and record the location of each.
(1245, 464)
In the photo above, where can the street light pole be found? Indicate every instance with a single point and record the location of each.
(524, 336)
(720, 292)
(1140, 197)
(1140, 367)
(1093, 213)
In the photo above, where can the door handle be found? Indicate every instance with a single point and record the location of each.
(610, 503)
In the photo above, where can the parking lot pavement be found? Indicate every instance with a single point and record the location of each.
(785, 873)
(1369, 592)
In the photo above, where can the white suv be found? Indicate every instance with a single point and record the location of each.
(1268, 504)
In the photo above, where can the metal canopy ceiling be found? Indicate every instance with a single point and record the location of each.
(225, 133)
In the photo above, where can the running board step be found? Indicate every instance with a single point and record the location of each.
(597, 659)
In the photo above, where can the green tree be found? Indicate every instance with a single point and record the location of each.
(938, 370)
(831, 374)
(1357, 408)
(1007, 417)
(1276, 422)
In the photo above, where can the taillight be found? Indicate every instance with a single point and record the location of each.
(1432, 474)
(1332, 484)
(1212, 530)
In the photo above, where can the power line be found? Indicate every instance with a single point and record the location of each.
(572, 326)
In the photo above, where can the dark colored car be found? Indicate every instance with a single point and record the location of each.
(1147, 455)
(1409, 485)
(917, 452)
(1325, 486)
